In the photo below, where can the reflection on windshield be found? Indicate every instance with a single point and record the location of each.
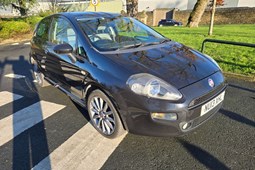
(107, 34)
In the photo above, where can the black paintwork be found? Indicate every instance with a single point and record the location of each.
(76, 75)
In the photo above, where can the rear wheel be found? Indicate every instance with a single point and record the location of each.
(104, 117)
(37, 75)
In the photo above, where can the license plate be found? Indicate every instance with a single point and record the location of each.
(212, 104)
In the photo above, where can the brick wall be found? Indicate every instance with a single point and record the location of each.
(149, 15)
(222, 16)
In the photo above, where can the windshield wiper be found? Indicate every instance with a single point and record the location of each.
(164, 41)
(150, 43)
(130, 46)
(140, 44)
(154, 43)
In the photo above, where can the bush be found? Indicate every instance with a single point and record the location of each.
(12, 28)
(33, 20)
(45, 13)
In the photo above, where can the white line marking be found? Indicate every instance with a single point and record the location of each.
(86, 149)
(7, 97)
(14, 76)
(15, 44)
(20, 121)
(27, 43)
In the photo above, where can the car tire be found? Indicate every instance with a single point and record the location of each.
(37, 75)
(103, 115)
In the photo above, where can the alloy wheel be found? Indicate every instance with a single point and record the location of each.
(102, 115)
(37, 74)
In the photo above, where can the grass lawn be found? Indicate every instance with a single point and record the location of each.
(231, 58)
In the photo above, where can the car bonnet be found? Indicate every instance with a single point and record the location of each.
(173, 62)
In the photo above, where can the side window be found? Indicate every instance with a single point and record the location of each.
(43, 30)
(62, 32)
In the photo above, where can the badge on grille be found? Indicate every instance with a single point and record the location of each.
(211, 82)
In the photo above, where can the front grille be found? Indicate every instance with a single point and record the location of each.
(207, 96)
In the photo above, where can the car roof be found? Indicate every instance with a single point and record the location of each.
(166, 19)
(81, 15)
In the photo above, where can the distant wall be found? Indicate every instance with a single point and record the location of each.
(163, 13)
(242, 15)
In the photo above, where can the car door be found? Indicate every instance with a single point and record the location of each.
(39, 43)
(66, 72)
(169, 23)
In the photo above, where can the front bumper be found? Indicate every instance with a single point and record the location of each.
(137, 113)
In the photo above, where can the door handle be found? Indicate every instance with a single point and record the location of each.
(46, 51)
(83, 72)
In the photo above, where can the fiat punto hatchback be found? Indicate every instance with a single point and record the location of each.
(128, 76)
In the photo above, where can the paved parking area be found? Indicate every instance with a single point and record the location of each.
(42, 128)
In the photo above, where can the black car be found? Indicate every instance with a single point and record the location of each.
(169, 22)
(128, 76)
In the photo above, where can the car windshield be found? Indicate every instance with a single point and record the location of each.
(108, 34)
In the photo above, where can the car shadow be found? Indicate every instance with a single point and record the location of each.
(82, 110)
(237, 117)
(1, 72)
(242, 88)
(30, 146)
(205, 158)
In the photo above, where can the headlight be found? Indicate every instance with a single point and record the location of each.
(151, 86)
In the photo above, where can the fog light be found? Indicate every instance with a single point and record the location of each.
(185, 125)
(164, 116)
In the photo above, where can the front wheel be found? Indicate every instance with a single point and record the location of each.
(104, 117)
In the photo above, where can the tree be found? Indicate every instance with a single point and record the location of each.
(54, 5)
(197, 12)
(132, 8)
(212, 5)
(20, 5)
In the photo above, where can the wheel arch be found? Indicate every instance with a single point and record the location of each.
(93, 86)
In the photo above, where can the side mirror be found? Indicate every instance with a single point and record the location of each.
(65, 49)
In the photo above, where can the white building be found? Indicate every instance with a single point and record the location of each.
(118, 5)
(150, 5)
(42, 5)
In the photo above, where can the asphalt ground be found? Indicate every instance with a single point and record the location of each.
(51, 138)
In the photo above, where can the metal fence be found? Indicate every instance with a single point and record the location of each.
(226, 42)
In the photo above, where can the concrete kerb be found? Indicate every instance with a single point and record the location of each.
(15, 41)
(240, 76)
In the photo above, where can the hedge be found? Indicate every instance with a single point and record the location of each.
(10, 28)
